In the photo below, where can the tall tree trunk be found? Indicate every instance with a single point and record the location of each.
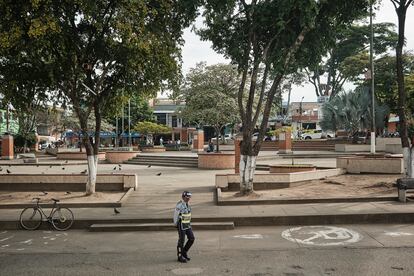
(247, 168)
(407, 152)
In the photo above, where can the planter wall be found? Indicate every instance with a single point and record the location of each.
(359, 164)
(77, 155)
(116, 157)
(144, 149)
(352, 147)
(213, 160)
(289, 169)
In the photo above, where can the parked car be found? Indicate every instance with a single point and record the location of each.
(227, 137)
(256, 134)
(316, 134)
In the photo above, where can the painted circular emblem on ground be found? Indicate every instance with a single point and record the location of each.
(187, 271)
(321, 235)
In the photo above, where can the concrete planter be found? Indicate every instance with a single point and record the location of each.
(115, 157)
(213, 160)
(380, 165)
(291, 168)
(152, 149)
(352, 147)
(77, 155)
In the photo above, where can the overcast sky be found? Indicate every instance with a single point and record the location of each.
(195, 50)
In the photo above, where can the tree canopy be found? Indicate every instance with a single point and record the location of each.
(210, 94)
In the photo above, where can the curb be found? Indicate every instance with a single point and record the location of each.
(68, 205)
(329, 219)
(221, 202)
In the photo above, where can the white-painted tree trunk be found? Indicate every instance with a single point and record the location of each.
(92, 172)
(247, 168)
(408, 155)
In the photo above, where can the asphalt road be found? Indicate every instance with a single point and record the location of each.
(258, 251)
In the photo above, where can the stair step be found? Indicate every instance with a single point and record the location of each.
(115, 227)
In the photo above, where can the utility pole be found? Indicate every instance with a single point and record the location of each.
(129, 122)
(300, 117)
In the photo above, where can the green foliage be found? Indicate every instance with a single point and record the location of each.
(20, 140)
(151, 128)
(348, 58)
(352, 112)
(210, 95)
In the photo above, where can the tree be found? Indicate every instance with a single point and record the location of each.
(150, 128)
(99, 49)
(210, 96)
(386, 88)
(401, 7)
(268, 40)
(348, 58)
(352, 112)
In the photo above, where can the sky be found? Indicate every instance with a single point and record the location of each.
(195, 50)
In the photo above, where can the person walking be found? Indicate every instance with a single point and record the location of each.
(182, 220)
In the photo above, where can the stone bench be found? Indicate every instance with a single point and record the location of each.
(404, 184)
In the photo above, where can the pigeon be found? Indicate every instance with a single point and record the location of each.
(116, 211)
(63, 168)
(119, 165)
(66, 161)
(84, 172)
(149, 166)
(45, 193)
(158, 174)
(114, 168)
(68, 193)
(120, 168)
(1, 169)
(8, 171)
(50, 166)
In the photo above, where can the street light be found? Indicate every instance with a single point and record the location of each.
(371, 61)
(300, 117)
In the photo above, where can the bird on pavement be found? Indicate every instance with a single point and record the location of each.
(63, 168)
(83, 172)
(149, 166)
(1, 169)
(44, 193)
(116, 211)
(120, 168)
(50, 166)
(119, 165)
(114, 168)
(66, 161)
(158, 174)
(68, 193)
(8, 171)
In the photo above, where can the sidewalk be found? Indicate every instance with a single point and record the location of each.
(155, 199)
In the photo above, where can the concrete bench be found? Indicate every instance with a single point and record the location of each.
(404, 184)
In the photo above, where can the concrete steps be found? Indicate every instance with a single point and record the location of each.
(166, 161)
(118, 227)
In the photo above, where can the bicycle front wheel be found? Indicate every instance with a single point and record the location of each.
(62, 219)
(30, 218)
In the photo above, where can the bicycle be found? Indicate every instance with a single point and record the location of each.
(60, 218)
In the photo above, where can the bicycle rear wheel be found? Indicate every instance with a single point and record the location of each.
(62, 219)
(30, 218)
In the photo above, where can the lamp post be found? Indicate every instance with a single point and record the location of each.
(371, 62)
(300, 117)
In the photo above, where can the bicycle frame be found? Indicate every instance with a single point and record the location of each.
(44, 216)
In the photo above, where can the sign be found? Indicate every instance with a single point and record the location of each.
(321, 235)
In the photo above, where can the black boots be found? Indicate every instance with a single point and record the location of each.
(185, 256)
(180, 255)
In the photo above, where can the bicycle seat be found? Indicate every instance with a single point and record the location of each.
(55, 200)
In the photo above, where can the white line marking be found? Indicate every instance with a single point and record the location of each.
(5, 239)
(252, 236)
(398, 234)
(4, 232)
(20, 249)
(6, 245)
(27, 242)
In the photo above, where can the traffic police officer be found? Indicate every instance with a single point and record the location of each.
(182, 220)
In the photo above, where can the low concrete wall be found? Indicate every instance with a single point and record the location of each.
(394, 148)
(213, 160)
(66, 182)
(291, 168)
(352, 147)
(274, 180)
(381, 143)
(357, 164)
(67, 155)
(116, 157)
(144, 149)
